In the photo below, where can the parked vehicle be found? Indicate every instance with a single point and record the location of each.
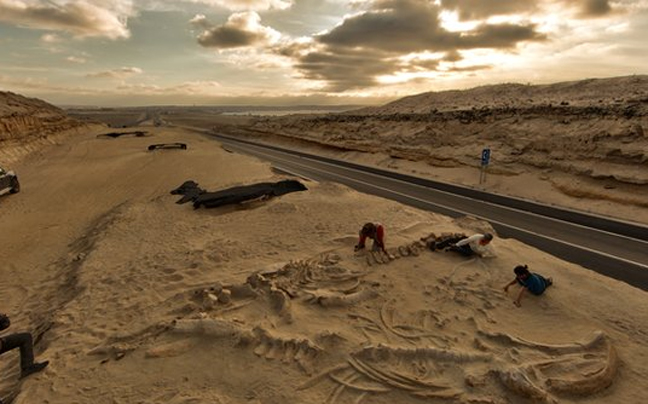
(8, 181)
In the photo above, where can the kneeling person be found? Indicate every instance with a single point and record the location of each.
(374, 231)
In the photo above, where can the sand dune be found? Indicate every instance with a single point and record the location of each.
(136, 299)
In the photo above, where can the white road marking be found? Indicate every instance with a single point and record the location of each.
(464, 212)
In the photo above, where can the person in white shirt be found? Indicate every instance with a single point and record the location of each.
(473, 245)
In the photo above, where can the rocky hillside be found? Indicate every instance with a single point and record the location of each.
(618, 92)
(596, 128)
(22, 117)
(27, 124)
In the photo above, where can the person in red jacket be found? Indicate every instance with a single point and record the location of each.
(374, 231)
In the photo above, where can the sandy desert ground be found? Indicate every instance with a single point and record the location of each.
(136, 299)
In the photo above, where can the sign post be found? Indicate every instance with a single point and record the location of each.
(485, 159)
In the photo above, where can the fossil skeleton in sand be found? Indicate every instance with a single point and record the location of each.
(418, 353)
(551, 370)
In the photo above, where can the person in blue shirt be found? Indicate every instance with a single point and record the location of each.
(531, 281)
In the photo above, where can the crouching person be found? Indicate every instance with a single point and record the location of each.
(24, 342)
(374, 231)
(533, 282)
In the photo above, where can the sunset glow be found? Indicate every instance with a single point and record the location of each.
(91, 52)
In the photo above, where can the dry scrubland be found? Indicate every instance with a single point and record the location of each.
(136, 299)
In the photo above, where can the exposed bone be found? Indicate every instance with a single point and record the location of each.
(209, 326)
(414, 250)
(290, 349)
(113, 351)
(350, 288)
(360, 397)
(257, 280)
(233, 308)
(355, 386)
(209, 301)
(408, 335)
(280, 302)
(334, 394)
(330, 338)
(242, 291)
(378, 257)
(329, 299)
(225, 296)
(598, 339)
(262, 348)
(367, 319)
(592, 383)
(403, 382)
(119, 345)
(534, 370)
(321, 376)
(518, 381)
(384, 352)
(447, 394)
(273, 347)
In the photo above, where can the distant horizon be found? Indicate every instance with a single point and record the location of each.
(271, 106)
(232, 107)
(323, 52)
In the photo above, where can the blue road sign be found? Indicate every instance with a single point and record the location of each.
(485, 158)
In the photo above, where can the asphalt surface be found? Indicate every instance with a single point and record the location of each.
(613, 248)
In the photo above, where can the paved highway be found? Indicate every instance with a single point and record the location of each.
(613, 248)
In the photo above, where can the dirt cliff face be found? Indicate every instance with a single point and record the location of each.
(27, 124)
(23, 118)
(595, 128)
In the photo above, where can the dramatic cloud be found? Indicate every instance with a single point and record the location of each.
(378, 48)
(374, 42)
(403, 26)
(247, 5)
(81, 18)
(498, 36)
(345, 70)
(121, 73)
(479, 9)
(240, 30)
(595, 8)
(200, 21)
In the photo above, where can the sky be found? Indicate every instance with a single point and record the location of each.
(298, 52)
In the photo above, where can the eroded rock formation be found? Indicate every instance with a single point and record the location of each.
(593, 128)
(29, 123)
